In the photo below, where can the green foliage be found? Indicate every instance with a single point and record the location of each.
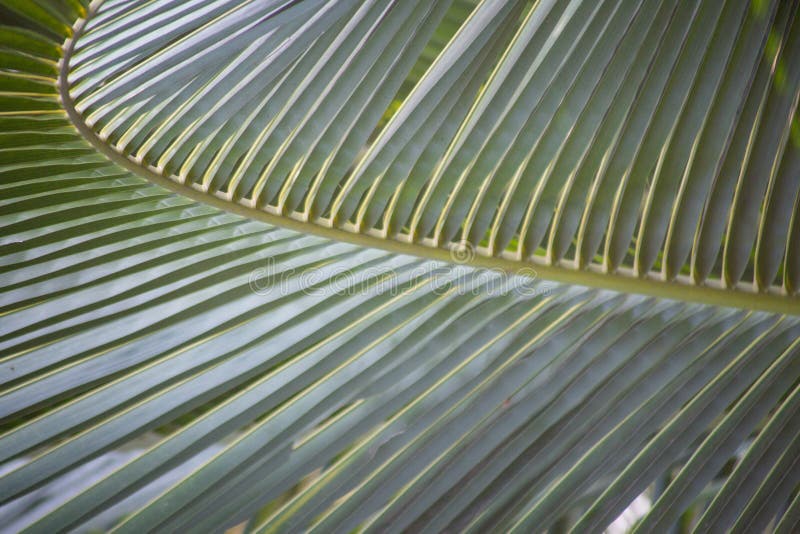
(224, 370)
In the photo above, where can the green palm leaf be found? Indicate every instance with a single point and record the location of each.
(294, 341)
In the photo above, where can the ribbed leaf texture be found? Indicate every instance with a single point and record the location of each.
(169, 366)
(651, 139)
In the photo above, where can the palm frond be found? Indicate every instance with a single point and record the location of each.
(228, 370)
(655, 133)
